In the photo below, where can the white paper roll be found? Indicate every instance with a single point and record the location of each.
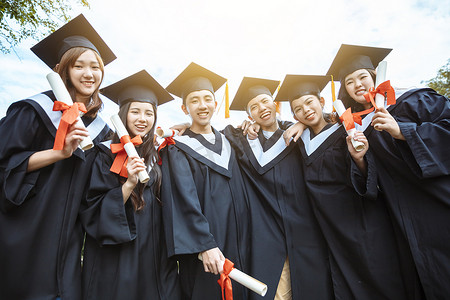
(165, 132)
(340, 109)
(62, 94)
(129, 147)
(120, 128)
(246, 280)
(381, 77)
(381, 73)
(249, 282)
(359, 146)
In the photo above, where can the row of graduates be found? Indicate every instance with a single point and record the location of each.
(312, 218)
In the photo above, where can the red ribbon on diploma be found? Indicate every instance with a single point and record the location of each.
(357, 115)
(70, 114)
(348, 119)
(225, 280)
(119, 165)
(384, 88)
(167, 141)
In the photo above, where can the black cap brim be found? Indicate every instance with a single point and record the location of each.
(195, 78)
(295, 86)
(251, 87)
(353, 57)
(49, 49)
(140, 86)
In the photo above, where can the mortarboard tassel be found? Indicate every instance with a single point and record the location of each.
(333, 92)
(277, 103)
(227, 101)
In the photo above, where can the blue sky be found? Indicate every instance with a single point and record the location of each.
(238, 38)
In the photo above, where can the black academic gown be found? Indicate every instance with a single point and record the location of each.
(205, 206)
(40, 234)
(282, 221)
(125, 255)
(414, 176)
(356, 225)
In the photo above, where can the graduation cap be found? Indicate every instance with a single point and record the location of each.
(76, 33)
(351, 58)
(141, 87)
(195, 78)
(250, 88)
(295, 86)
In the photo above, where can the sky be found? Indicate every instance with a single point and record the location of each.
(237, 38)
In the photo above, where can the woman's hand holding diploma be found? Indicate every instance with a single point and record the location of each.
(383, 120)
(134, 166)
(358, 156)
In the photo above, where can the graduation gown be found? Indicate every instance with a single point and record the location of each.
(40, 234)
(125, 254)
(282, 222)
(365, 260)
(414, 176)
(205, 206)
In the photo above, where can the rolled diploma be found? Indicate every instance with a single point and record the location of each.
(249, 282)
(381, 77)
(165, 132)
(246, 280)
(129, 147)
(340, 109)
(62, 94)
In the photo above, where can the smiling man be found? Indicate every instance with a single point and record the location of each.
(203, 197)
(288, 252)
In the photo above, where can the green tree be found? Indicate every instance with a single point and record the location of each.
(441, 83)
(20, 19)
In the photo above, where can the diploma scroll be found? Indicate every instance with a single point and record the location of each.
(62, 94)
(340, 109)
(246, 280)
(381, 77)
(165, 132)
(129, 147)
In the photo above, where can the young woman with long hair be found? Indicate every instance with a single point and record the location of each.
(125, 251)
(42, 185)
(410, 145)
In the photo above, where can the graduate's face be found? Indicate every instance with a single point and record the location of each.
(263, 111)
(308, 110)
(140, 118)
(357, 84)
(200, 106)
(85, 75)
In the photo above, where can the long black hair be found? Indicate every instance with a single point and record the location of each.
(148, 152)
(345, 97)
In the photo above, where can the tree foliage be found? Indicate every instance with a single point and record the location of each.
(441, 83)
(20, 19)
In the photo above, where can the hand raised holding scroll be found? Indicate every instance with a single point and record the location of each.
(76, 133)
(383, 120)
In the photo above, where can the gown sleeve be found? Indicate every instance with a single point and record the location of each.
(103, 214)
(18, 130)
(365, 186)
(424, 120)
(232, 134)
(186, 227)
(284, 125)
